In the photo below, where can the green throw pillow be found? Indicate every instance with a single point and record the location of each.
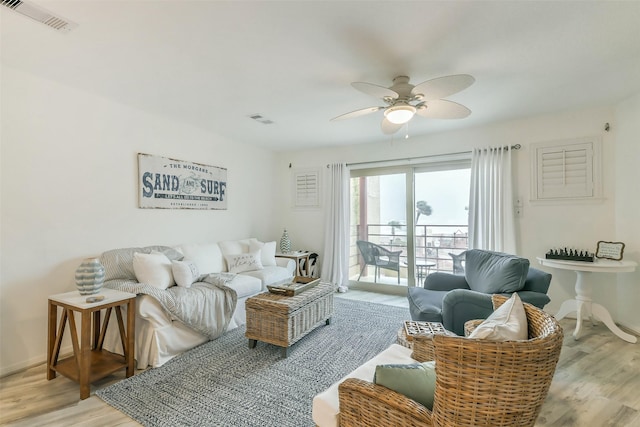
(417, 381)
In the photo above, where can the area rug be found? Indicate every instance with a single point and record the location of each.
(225, 383)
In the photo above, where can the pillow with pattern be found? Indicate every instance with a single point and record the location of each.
(244, 262)
(184, 272)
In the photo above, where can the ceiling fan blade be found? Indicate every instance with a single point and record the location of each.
(442, 87)
(375, 90)
(442, 109)
(389, 128)
(357, 113)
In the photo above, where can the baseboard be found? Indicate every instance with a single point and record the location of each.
(15, 368)
(380, 288)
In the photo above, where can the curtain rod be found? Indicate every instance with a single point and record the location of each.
(512, 147)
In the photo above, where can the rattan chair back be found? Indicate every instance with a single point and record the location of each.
(491, 383)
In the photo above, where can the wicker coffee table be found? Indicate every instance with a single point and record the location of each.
(282, 321)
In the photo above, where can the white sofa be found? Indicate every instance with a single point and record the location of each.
(159, 336)
(326, 405)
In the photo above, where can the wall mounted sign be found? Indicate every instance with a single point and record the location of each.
(177, 184)
(610, 250)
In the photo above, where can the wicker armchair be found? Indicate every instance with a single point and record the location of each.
(478, 382)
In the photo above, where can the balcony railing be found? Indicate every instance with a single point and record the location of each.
(433, 244)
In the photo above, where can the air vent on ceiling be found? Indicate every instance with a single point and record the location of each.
(260, 118)
(40, 14)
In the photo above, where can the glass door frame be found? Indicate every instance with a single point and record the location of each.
(409, 171)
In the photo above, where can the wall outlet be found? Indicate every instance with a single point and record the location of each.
(517, 207)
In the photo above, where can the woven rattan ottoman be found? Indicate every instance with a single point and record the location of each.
(282, 321)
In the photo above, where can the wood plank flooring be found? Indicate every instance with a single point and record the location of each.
(597, 383)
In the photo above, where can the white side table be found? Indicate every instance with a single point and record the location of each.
(583, 304)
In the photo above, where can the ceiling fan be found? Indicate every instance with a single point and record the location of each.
(404, 100)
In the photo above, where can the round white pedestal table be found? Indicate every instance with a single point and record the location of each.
(583, 304)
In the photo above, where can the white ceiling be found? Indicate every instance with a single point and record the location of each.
(214, 63)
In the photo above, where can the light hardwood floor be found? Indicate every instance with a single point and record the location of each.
(597, 383)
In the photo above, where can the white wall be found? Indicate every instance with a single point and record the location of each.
(627, 219)
(69, 191)
(542, 225)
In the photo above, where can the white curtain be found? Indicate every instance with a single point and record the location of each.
(491, 222)
(335, 263)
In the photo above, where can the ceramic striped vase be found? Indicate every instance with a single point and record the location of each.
(90, 276)
(285, 243)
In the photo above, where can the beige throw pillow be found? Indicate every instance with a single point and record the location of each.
(507, 323)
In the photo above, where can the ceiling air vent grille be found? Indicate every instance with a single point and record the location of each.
(39, 14)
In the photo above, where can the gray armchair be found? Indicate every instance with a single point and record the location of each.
(454, 299)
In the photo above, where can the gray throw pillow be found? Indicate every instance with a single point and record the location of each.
(495, 272)
(417, 381)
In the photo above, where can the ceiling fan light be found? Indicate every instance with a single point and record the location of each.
(400, 114)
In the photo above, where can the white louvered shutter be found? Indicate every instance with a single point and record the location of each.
(306, 189)
(564, 171)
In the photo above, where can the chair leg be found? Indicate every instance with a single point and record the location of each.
(375, 275)
(398, 276)
(363, 267)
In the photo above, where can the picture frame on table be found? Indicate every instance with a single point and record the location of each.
(610, 250)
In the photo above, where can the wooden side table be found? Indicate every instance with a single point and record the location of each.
(89, 362)
(297, 257)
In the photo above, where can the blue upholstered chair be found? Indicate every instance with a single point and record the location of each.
(454, 299)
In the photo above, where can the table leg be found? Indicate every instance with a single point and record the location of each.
(53, 320)
(601, 313)
(252, 343)
(131, 331)
(85, 355)
(568, 306)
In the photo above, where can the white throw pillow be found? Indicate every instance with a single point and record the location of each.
(184, 272)
(207, 257)
(244, 262)
(507, 323)
(153, 269)
(234, 247)
(267, 251)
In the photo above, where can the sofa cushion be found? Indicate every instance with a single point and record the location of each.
(206, 256)
(495, 272)
(326, 405)
(118, 263)
(245, 285)
(507, 323)
(271, 275)
(267, 251)
(153, 269)
(417, 381)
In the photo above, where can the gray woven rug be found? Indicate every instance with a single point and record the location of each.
(224, 383)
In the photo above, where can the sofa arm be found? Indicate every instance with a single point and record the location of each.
(445, 282)
(537, 281)
(461, 305)
(534, 298)
(287, 263)
(366, 404)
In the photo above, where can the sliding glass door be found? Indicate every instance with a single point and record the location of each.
(379, 234)
(407, 222)
(442, 217)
